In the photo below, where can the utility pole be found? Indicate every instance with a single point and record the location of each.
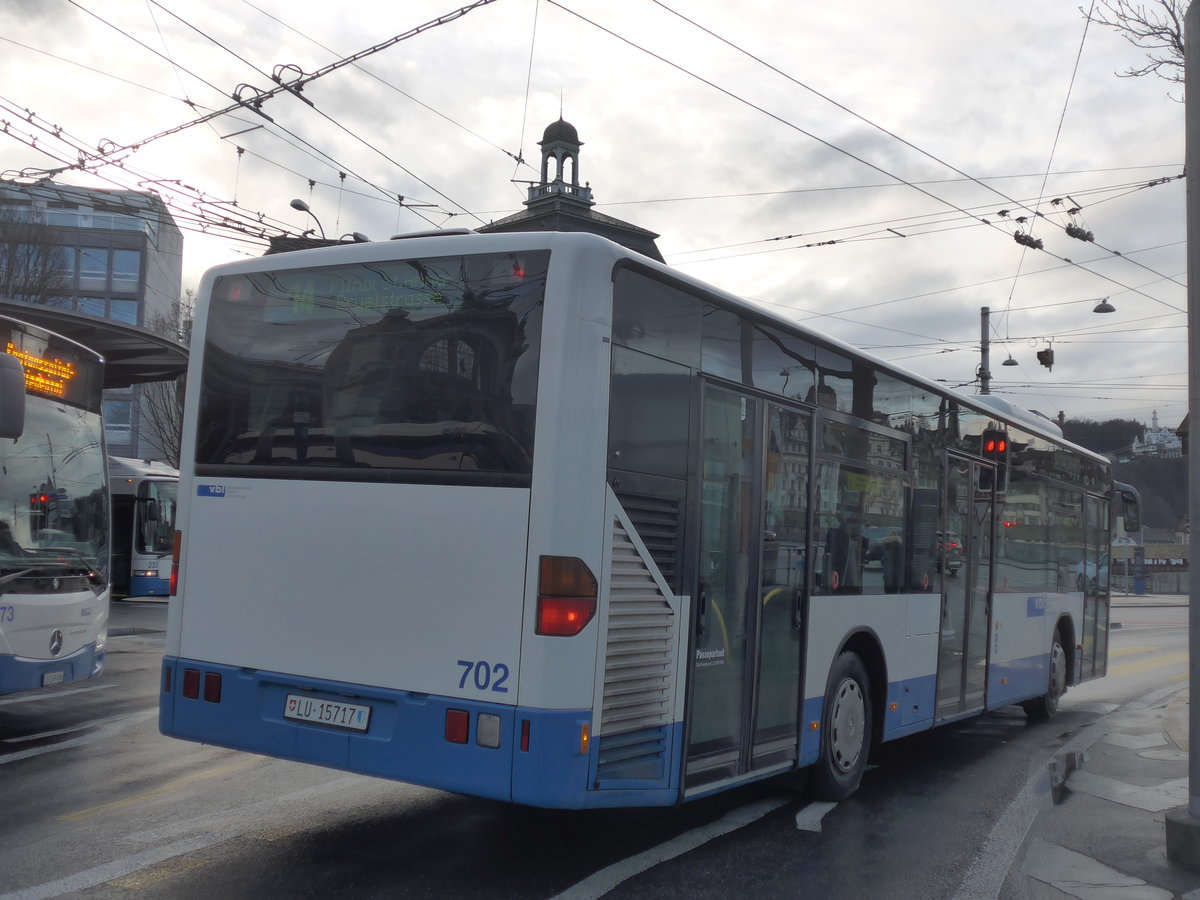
(1183, 823)
(985, 351)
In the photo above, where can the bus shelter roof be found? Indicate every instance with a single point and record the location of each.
(131, 355)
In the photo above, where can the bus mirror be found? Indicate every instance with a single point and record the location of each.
(152, 510)
(1128, 505)
(12, 397)
(1131, 510)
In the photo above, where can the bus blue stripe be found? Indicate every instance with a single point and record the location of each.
(20, 674)
(405, 739)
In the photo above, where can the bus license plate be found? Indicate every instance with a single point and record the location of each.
(49, 678)
(334, 713)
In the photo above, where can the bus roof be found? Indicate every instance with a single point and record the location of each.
(450, 241)
(122, 467)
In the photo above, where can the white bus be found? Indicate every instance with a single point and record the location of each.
(54, 519)
(144, 495)
(532, 517)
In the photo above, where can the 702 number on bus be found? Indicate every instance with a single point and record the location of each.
(484, 675)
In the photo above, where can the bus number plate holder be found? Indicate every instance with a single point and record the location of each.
(331, 713)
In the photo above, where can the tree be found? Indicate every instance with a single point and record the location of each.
(1112, 436)
(32, 265)
(162, 401)
(1154, 27)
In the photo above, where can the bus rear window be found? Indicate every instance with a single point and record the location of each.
(418, 369)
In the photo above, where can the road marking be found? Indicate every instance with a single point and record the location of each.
(809, 818)
(106, 728)
(27, 698)
(603, 881)
(1129, 651)
(239, 765)
(1146, 665)
(245, 819)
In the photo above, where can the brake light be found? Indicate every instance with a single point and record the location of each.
(191, 684)
(212, 687)
(566, 596)
(458, 725)
(175, 545)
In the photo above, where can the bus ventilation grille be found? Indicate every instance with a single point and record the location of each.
(639, 668)
(638, 664)
(657, 522)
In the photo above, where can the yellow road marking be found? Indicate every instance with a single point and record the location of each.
(155, 875)
(1146, 665)
(232, 768)
(1129, 651)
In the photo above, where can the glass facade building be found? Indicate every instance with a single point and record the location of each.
(115, 255)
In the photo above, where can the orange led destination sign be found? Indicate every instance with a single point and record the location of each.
(44, 376)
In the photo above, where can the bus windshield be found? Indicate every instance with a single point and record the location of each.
(54, 497)
(418, 369)
(154, 525)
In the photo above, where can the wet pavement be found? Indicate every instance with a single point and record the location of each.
(1099, 836)
(1103, 835)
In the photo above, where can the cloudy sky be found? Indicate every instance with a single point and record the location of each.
(861, 167)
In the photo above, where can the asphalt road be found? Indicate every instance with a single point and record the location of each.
(98, 804)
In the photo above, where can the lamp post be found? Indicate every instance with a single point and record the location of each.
(304, 207)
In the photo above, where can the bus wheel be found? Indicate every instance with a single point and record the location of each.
(845, 730)
(1045, 706)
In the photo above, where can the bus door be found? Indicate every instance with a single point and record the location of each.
(962, 650)
(745, 670)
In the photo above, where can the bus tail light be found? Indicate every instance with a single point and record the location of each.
(191, 684)
(212, 687)
(175, 545)
(566, 596)
(458, 725)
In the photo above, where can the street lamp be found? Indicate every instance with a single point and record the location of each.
(303, 207)
(1104, 306)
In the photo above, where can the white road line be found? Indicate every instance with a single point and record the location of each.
(110, 727)
(809, 818)
(27, 698)
(41, 735)
(247, 819)
(603, 881)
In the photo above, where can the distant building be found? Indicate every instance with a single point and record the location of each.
(1158, 443)
(119, 258)
(560, 203)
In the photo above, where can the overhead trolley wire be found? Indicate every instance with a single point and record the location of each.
(294, 87)
(829, 144)
(341, 167)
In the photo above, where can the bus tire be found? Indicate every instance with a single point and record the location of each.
(1044, 707)
(845, 730)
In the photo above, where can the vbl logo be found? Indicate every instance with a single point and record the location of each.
(210, 490)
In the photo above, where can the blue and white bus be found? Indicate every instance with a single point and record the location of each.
(144, 495)
(54, 514)
(532, 517)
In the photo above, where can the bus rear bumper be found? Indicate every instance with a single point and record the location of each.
(509, 753)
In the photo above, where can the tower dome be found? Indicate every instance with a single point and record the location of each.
(560, 131)
(560, 166)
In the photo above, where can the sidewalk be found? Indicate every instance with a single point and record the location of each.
(1100, 832)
